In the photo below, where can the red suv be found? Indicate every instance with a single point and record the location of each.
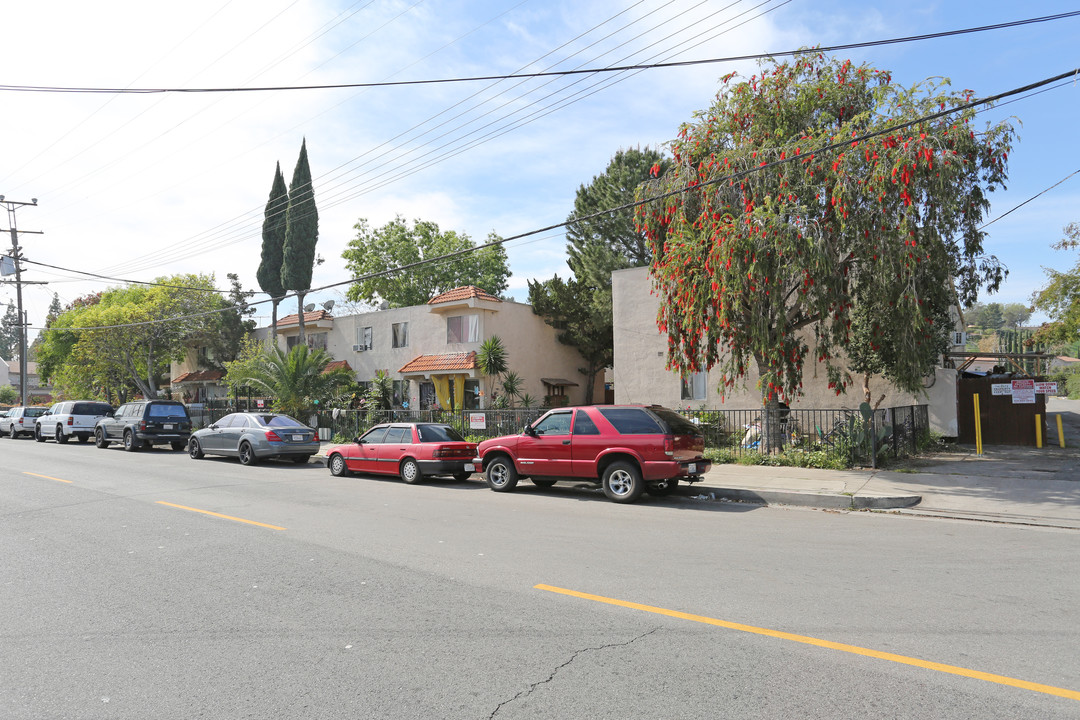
(629, 449)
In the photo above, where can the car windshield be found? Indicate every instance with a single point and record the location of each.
(438, 433)
(168, 410)
(35, 412)
(279, 421)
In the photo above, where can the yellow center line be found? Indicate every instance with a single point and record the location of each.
(951, 669)
(47, 477)
(227, 517)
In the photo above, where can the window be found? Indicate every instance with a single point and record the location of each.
(282, 421)
(583, 424)
(463, 329)
(631, 421)
(693, 386)
(438, 433)
(678, 424)
(363, 338)
(472, 394)
(400, 332)
(226, 421)
(206, 356)
(291, 341)
(167, 410)
(401, 393)
(398, 435)
(317, 341)
(554, 424)
(374, 436)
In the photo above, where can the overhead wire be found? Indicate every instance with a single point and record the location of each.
(837, 145)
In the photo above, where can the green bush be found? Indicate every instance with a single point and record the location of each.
(814, 458)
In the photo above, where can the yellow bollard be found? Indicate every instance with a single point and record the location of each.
(1038, 430)
(1061, 435)
(978, 427)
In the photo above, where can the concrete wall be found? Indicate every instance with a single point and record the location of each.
(640, 375)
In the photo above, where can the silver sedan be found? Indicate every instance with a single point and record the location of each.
(255, 436)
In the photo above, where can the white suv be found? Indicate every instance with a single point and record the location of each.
(75, 418)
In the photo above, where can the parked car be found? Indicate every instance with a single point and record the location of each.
(411, 451)
(255, 436)
(628, 449)
(145, 422)
(20, 421)
(74, 418)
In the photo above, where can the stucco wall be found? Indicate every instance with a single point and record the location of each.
(640, 375)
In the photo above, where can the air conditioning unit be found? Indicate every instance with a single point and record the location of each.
(959, 338)
(359, 348)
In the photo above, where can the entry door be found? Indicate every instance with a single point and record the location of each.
(427, 395)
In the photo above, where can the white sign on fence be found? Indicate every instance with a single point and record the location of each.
(477, 421)
(1023, 392)
(1046, 388)
(1001, 389)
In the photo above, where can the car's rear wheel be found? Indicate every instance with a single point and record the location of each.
(99, 439)
(194, 449)
(247, 454)
(131, 443)
(338, 467)
(59, 436)
(38, 435)
(410, 471)
(622, 482)
(663, 488)
(501, 475)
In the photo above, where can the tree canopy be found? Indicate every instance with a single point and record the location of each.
(298, 380)
(119, 343)
(273, 245)
(802, 194)
(378, 251)
(1060, 299)
(301, 234)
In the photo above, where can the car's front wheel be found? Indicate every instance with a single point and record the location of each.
(622, 482)
(501, 475)
(410, 471)
(99, 439)
(247, 454)
(338, 467)
(195, 450)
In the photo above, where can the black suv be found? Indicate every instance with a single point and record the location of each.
(145, 422)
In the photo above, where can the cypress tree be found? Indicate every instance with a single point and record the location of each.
(273, 244)
(301, 235)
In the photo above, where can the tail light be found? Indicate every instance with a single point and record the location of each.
(142, 424)
(669, 446)
(71, 420)
(272, 436)
(20, 421)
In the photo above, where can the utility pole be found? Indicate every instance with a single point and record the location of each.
(12, 206)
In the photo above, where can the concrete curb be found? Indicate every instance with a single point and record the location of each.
(827, 501)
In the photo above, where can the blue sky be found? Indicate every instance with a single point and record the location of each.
(138, 186)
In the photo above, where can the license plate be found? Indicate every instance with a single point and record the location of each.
(168, 426)
(691, 468)
(298, 438)
(469, 467)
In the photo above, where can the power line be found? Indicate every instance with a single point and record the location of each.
(479, 78)
(716, 181)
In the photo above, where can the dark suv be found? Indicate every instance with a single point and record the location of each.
(145, 422)
(629, 449)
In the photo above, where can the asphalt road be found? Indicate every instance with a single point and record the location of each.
(367, 598)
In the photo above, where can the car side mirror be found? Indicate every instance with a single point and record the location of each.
(359, 440)
(212, 426)
(530, 431)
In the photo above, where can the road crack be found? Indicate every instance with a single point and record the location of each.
(529, 690)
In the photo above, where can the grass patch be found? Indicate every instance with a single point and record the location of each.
(821, 459)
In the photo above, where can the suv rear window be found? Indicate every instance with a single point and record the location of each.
(35, 412)
(90, 408)
(167, 410)
(679, 425)
(631, 421)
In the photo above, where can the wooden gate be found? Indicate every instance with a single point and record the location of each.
(1003, 422)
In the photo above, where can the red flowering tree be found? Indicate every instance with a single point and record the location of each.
(804, 195)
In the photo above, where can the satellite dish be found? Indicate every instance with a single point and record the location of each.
(328, 305)
(384, 305)
(309, 307)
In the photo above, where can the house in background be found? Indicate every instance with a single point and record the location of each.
(10, 374)
(195, 379)
(430, 350)
(640, 375)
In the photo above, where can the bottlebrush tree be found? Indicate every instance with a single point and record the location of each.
(778, 240)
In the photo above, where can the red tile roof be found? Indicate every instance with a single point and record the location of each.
(309, 317)
(337, 364)
(464, 292)
(447, 362)
(200, 376)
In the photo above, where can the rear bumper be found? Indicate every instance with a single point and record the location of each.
(447, 467)
(162, 438)
(284, 449)
(691, 471)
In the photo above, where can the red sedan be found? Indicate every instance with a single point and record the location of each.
(409, 450)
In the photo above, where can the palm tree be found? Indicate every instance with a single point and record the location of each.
(297, 380)
(379, 398)
(511, 385)
(491, 361)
